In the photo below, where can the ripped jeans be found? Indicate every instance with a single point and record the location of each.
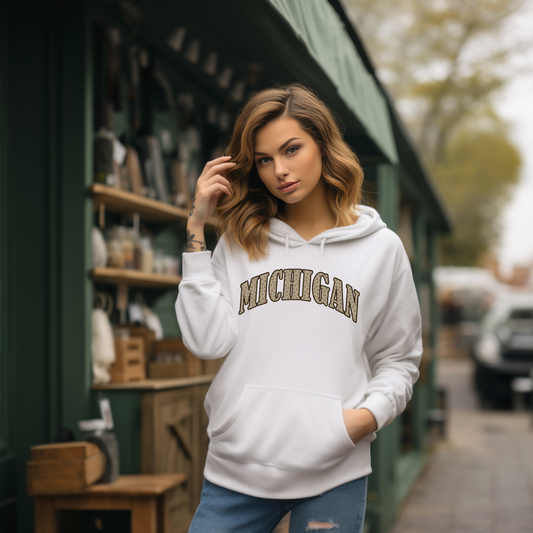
(221, 510)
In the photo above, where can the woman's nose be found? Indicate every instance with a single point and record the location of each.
(280, 169)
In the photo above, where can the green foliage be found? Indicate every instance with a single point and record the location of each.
(444, 61)
(475, 179)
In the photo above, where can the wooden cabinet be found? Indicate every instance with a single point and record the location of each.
(161, 425)
(174, 440)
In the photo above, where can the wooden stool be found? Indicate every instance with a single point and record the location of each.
(146, 496)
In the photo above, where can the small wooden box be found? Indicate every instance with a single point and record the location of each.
(189, 365)
(141, 331)
(162, 370)
(64, 468)
(130, 360)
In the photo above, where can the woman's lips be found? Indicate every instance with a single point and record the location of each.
(289, 186)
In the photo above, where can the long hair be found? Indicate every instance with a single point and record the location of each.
(243, 217)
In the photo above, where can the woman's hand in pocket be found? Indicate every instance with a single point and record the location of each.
(359, 423)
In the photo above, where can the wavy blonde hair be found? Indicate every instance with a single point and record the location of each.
(243, 217)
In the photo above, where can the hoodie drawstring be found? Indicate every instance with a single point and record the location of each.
(322, 242)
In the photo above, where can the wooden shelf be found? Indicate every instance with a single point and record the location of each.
(121, 201)
(157, 384)
(135, 278)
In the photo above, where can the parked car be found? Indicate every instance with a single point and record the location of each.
(503, 349)
(464, 294)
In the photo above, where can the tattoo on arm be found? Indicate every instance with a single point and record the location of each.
(190, 241)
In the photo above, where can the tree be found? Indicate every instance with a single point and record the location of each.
(475, 177)
(444, 61)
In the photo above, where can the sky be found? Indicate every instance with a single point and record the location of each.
(516, 105)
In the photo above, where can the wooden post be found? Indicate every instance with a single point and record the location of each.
(388, 185)
(45, 515)
(143, 515)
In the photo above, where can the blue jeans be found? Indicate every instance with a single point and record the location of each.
(339, 510)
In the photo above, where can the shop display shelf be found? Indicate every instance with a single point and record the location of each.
(157, 383)
(121, 201)
(135, 278)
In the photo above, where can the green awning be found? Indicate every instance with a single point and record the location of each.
(319, 27)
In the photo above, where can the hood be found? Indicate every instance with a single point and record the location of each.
(368, 222)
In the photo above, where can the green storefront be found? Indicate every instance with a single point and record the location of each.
(53, 74)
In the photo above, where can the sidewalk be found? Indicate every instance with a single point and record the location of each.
(480, 480)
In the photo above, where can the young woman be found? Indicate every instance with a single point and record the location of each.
(312, 300)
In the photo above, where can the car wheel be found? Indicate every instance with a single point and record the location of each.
(493, 390)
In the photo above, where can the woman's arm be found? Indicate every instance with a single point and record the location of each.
(394, 350)
(203, 307)
(212, 184)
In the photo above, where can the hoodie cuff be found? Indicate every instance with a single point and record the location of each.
(197, 265)
(380, 406)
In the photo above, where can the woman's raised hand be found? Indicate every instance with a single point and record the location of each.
(212, 184)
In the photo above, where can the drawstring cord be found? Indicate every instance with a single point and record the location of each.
(322, 242)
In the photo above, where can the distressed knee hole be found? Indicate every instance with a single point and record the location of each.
(314, 526)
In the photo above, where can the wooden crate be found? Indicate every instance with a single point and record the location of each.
(188, 367)
(141, 331)
(63, 451)
(64, 468)
(130, 363)
(161, 370)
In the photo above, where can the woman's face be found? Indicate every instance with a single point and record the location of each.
(288, 160)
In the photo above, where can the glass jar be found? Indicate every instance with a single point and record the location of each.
(147, 255)
(115, 255)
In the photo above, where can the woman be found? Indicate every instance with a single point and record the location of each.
(312, 299)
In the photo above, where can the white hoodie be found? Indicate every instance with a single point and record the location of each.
(296, 328)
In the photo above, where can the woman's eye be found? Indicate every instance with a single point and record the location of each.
(295, 148)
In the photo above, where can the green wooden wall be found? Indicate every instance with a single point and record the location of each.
(46, 147)
(7, 460)
(394, 469)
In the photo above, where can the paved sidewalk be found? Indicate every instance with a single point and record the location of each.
(480, 480)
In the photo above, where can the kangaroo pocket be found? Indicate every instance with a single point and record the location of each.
(289, 428)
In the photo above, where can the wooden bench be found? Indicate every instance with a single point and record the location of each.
(146, 496)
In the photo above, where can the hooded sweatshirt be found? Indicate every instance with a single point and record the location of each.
(313, 328)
